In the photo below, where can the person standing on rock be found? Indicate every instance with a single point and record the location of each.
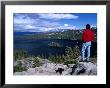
(87, 38)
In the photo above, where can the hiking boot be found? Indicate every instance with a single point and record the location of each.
(81, 61)
(88, 60)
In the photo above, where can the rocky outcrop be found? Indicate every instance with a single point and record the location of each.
(84, 68)
(49, 68)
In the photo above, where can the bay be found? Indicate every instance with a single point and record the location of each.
(40, 46)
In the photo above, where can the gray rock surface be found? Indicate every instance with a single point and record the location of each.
(49, 68)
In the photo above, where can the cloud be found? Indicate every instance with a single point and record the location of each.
(67, 26)
(93, 25)
(57, 16)
(42, 28)
(28, 23)
(24, 19)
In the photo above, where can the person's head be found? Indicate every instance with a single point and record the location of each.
(88, 26)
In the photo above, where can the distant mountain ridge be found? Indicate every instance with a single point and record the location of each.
(67, 34)
(25, 33)
(49, 31)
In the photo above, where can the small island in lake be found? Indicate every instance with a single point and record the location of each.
(54, 44)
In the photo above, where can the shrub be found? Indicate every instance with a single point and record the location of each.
(36, 62)
(56, 58)
(19, 69)
(20, 54)
(76, 52)
(66, 62)
(51, 58)
(71, 54)
(69, 57)
(68, 51)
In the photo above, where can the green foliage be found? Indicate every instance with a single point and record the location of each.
(68, 53)
(59, 59)
(19, 69)
(52, 58)
(76, 52)
(66, 62)
(37, 62)
(72, 53)
(56, 59)
(20, 54)
(69, 57)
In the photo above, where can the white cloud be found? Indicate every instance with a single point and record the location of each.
(46, 28)
(25, 23)
(57, 16)
(22, 20)
(29, 27)
(66, 25)
(43, 28)
(93, 25)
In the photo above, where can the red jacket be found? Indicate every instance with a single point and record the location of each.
(88, 35)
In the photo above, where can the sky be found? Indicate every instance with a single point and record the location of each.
(44, 22)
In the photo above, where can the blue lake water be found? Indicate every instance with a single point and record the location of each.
(40, 46)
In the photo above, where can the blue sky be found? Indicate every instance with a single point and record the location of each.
(43, 22)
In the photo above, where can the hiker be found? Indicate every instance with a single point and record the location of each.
(87, 38)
